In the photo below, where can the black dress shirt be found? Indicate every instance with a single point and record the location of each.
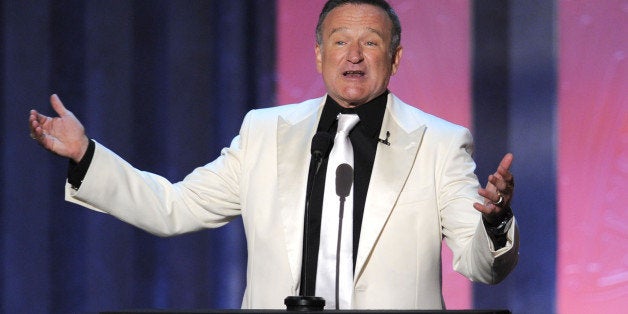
(364, 139)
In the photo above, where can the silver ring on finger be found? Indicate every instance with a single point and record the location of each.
(499, 202)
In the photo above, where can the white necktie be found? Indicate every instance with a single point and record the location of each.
(342, 152)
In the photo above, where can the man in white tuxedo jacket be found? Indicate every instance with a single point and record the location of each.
(422, 186)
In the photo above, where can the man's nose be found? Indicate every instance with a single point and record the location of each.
(354, 54)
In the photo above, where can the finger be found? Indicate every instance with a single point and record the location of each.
(32, 132)
(58, 106)
(498, 182)
(504, 174)
(489, 196)
(503, 170)
(37, 118)
(35, 125)
(491, 183)
(486, 194)
(32, 127)
(37, 129)
(504, 189)
(506, 162)
(36, 122)
(506, 184)
(487, 209)
(32, 119)
(38, 135)
(481, 208)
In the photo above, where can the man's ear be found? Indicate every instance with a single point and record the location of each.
(319, 58)
(396, 59)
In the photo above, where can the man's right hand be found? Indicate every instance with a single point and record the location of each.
(63, 135)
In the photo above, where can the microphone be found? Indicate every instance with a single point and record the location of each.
(344, 181)
(385, 141)
(321, 145)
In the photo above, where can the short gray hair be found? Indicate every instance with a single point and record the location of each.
(332, 4)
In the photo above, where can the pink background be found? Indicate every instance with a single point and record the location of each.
(593, 157)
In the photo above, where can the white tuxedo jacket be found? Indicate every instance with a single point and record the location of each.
(422, 189)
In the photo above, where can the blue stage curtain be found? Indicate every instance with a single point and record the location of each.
(514, 108)
(165, 84)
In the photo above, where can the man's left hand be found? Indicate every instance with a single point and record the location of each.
(498, 192)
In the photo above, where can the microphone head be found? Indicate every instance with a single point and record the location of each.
(321, 144)
(344, 180)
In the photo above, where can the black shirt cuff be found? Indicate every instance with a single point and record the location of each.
(498, 231)
(499, 240)
(77, 171)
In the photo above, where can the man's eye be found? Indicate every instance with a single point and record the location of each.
(340, 43)
(371, 43)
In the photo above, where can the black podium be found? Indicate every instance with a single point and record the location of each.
(148, 311)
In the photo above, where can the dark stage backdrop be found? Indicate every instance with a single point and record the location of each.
(165, 84)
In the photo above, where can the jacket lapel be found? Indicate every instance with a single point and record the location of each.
(390, 170)
(294, 134)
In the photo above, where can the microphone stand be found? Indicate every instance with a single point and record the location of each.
(344, 181)
(305, 290)
(306, 301)
(340, 215)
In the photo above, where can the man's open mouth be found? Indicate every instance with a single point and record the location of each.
(353, 73)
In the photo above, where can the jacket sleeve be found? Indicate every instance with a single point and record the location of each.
(462, 227)
(206, 198)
